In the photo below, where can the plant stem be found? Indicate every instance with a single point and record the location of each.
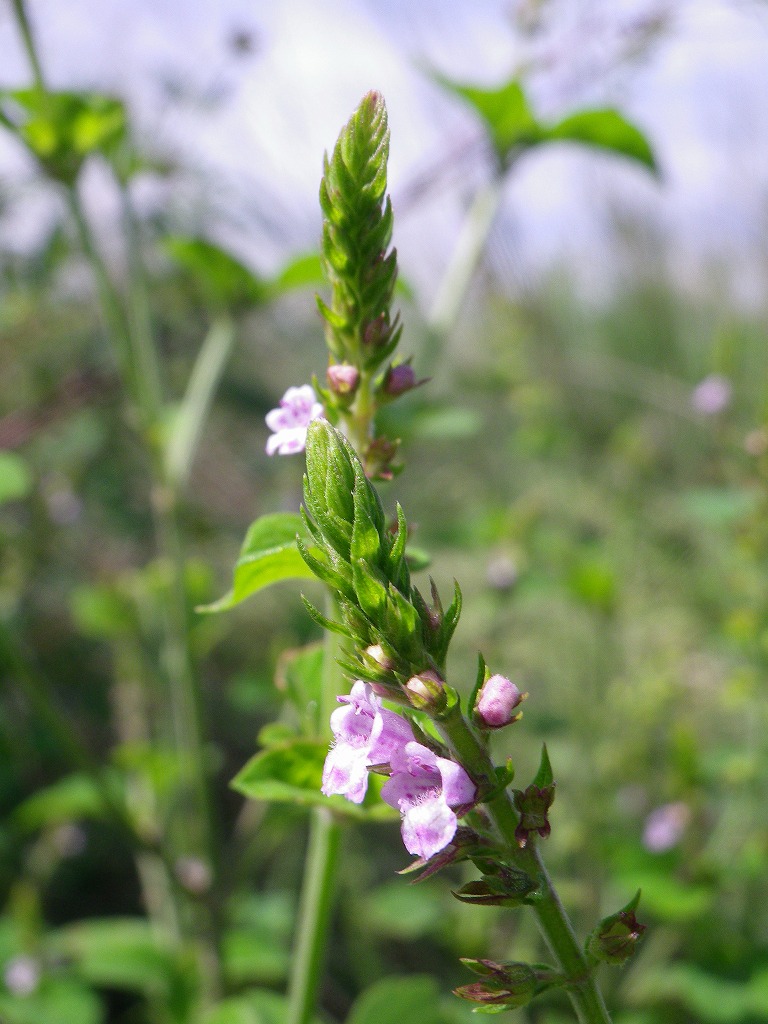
(22, 20)
(320, 868)
(453, 288)
(551, 917)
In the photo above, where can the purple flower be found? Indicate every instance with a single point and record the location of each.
(665, 825)
(712, 395)
(425, 788)
(298, 407)
(496, 702)
(366, 734)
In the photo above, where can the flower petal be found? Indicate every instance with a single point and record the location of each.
(428, 827)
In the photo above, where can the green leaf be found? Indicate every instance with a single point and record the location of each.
(604, 129)
(292, 773)
(398, 1000)
(57, 1001)
(257, 1006)
(506, 112)
(15, 477)
(305, 271)
(125, 953)
(221, 279)
(72, 798)
(62, 128)
(269, 555)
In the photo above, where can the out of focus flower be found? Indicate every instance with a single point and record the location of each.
(712, 395)
(193, 874)
(22, 975)
(298, 407)
(366, 734)
(425, 788)
(664, 826)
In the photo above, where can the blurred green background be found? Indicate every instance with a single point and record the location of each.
(589, 460)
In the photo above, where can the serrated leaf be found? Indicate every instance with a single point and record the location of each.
(269, 555)
(606, 129)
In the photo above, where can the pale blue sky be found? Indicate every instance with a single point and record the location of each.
(253, 128)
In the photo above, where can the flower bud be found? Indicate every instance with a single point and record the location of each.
(342, 379)
(616, 937)
(426, 691)
(504, 984)
(496, 703)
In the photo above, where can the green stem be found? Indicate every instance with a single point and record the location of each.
(452, 291)
(551, 917)
(320, 869)
(22, 20)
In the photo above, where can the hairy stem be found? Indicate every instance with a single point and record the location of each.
(551, 917)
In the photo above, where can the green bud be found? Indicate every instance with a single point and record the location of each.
(615, 939)
(534, 802)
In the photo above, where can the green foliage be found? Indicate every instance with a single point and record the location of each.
(62, 129)
(513, 127)
(292, 772)
(15, 477)
(393, 1000)
(269, 555)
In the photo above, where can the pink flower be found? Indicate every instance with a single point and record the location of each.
(496, 702)
(665, 825)
(712, 395)
(426, 788)
(366, 734)
(298, 407)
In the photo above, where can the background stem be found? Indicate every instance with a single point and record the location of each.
(320, 868)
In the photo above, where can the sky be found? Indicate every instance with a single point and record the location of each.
(248, 95)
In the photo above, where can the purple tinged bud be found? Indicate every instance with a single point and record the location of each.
(342, 379)
(496, 702)
(616, 938)
(399, 379)
(426, 691)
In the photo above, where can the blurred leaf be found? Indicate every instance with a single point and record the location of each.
(254, 1007)
(72, 798)
(593, 581)
(56, 1001)
(305, 271)
(268, 555)
(222, 281)
(505, 111)
(293, 772)
(101, 611)
(669, 899)
(604, 129)
(124, 953)
(398, 1000)
(408, 912)
(441, 423)
(719, 506)
(256, 943)
(299, 675)
(707, 998)
(15, 477)
(62, 128)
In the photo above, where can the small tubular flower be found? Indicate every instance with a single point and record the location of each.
(425, 788)
(366, 734)
(288, 423)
